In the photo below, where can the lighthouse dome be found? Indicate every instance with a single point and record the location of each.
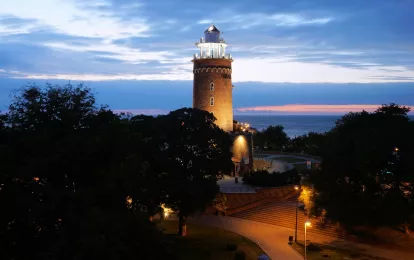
(212, 34)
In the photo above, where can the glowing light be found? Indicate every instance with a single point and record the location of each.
(36, 179)
(167, 211)
(240, 139)
(308, 223)
(396, 149)
(296, 187)
(129, 200)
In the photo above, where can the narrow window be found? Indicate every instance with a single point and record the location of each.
(212, 101)
(212, 86)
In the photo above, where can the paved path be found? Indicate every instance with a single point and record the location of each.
(228, 185)
(274, 239)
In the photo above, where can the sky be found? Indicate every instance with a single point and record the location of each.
(290, 57)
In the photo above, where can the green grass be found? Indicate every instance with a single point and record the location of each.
(208, 243)
(320, 252)
(300, 167)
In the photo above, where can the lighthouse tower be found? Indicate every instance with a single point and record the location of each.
(212, 89)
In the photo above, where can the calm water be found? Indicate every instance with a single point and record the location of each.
(294, 124)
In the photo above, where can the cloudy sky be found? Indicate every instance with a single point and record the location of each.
(303, 56)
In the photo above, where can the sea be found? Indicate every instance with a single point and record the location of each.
(294, 125)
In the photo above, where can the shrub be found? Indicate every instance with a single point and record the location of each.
(220, 202)
(265, 179)
(313, 247)
(240, 255)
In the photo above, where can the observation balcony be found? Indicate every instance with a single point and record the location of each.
(197, 56)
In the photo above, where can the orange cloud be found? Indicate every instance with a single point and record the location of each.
(298, 108)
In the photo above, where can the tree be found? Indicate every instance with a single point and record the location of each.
(367, 173)
(311, 143)
(194, 152)
(66, 171)
(272, 137)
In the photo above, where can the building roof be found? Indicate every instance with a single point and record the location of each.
(212, 28)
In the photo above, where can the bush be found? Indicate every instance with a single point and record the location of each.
(313, 247)
(240, 255)
(231, 247)
(265, 179)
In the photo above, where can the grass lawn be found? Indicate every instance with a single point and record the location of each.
(319, 252)
(300, 167)
(203, 242)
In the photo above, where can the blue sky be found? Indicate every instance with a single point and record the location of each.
(288, 55)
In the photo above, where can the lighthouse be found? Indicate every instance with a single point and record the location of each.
(212, 86)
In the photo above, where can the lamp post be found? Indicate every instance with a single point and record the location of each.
(297, 202)
(307, 224)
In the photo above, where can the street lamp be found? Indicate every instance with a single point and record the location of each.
(297, 202)
(307, 224)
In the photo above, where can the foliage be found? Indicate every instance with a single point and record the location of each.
(263, 178)
(188, 153)
(272, 137)
(262, 164)
(220, 202)
(367, 171)
(78, 181)
(307, 197)
(311, 143)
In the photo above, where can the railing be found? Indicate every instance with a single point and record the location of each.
(203, 40)
(226, 57)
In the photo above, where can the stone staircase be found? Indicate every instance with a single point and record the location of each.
(282, 213)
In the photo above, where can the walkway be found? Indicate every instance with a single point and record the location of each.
(274, 239)
(228, 185)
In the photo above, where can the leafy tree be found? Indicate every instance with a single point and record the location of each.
(65, 172)
(311, 143)
(194, 152)
(272, 137)
(367, 171)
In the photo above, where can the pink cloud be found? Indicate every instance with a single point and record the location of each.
(143, 111)
(298, 108)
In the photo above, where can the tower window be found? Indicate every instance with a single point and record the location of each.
(212, 86)
(211, 101)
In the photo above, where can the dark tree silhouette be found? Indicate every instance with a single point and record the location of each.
(367, 171)
(311, 143)
(66, 170)
(273, 137)
(195, 152)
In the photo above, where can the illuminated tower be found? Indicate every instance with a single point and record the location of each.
(212, 89)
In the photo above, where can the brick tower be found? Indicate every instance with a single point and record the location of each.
(212, 89)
